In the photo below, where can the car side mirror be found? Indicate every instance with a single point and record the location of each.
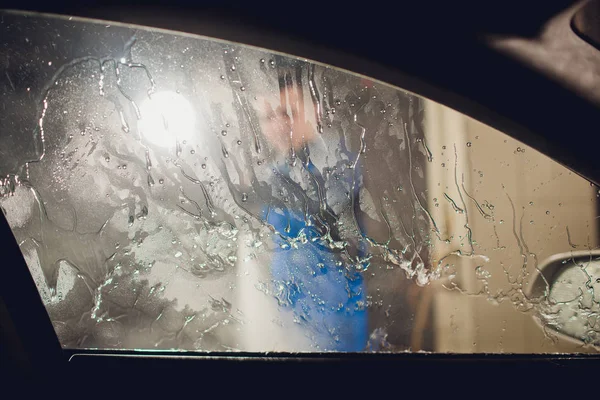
(567, 291)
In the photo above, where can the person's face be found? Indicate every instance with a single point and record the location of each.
(283, 119)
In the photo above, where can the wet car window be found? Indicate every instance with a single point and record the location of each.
(171, 191)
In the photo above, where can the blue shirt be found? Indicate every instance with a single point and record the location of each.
(328, 300)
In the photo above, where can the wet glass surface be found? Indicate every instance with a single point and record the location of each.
(177, 192)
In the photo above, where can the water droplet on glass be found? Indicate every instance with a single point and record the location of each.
(272, 63)
(443, 147)
(161, 181)
(262, 60)
(468, 144)
(233, 67)
(244, 197)
(224, 132)
(242, 88)
(107, 159)
(547, 212)
(203, 166)
(192, 151)
(239, 142)
(150, 180)
(222, 76)
(227, 125)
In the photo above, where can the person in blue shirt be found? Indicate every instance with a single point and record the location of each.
(310, 272)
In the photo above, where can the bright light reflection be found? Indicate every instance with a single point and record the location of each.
(165, 117)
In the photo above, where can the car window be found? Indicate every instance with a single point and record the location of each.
(177, 192)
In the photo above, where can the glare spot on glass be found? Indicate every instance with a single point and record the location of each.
(165, 118)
